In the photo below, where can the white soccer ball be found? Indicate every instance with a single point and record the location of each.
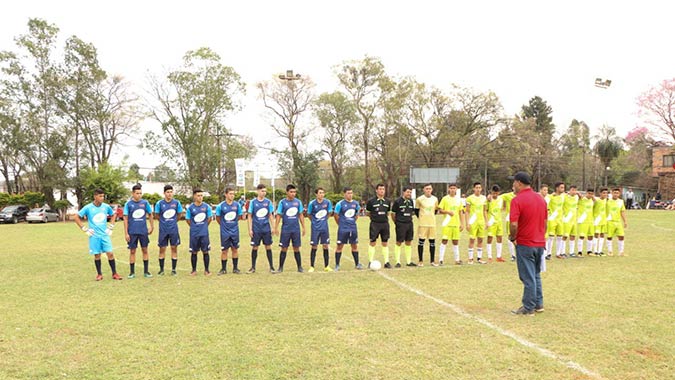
(375, 265)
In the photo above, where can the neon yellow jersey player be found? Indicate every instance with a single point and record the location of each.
(570, 219)
(555, 220)
(508, 197)
(616, 221)
(425, 208)
(495, 224)
(476, 209)
(585, 222)
(453, 208)
(600, 221)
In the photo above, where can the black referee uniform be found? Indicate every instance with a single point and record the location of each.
(403, 210)
(379, 224)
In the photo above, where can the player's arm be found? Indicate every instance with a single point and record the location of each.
(188, 216)
(218, 212)
(336, 213)
(623, 217)
(356, 216)
(462, 220)
(125, 217)
(152, 219)
(209, 215)
(302, 223)
(468, 212)
(485, 214)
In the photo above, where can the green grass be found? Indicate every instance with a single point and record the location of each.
(611, 315)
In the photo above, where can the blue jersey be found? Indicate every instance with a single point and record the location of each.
(260, 211)
(229, 217)
(97, 217)
(199, 219)
(319, 213)
(137, 214)
(168, 216)
(289, 211)
(348, 211)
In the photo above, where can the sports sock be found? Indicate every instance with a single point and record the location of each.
(620, 246)
(385, 253)
(590, 245)
(512, 248)
(470, 253)
(325, 258)
(235, 263)
(161, 264)
(609, 246)
(572, 245)
(298, 258)
(371, 253)
(193, 261)
(559, 246)
(146, 263)
(408, 254)
(432, 249)
(207, 259)
(174, 262)
(282, 259)
(601, 243)
(97, 263)
(580, 245)
(338, 256)
(441, 252)
(489, 250)
(499, 250)
(420, 250)
(112, 266)
(270, 260)
(132, 268)
(223, 265)
(455, 251)
(549, 244)
(479, 253)
(355, 255)
(312, 257)
(254, 258)
(397, 254)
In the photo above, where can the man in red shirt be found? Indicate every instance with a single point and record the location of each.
(528, 229)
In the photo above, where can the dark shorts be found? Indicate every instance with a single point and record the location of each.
(200, 243)
(169, 239)
(379, 229)
(229, 241)
(319, 237)
(404, 232)
(289, 237)
(347, 237)
(136, 239)
(264, 237)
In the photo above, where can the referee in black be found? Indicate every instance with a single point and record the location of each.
(378, 209)
(401, 213)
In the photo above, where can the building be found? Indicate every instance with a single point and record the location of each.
(663, 167)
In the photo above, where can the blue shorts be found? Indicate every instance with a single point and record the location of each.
(229, 241)
(135, 239)
(169, 239)
(200, 243)
(348, 237)
(265, 237)
(100, 245)
(287, 237)
(319, 237)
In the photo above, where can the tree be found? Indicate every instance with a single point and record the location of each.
(12, 140)
(657, 108)
(608, 147)
(337, 117)
(541, 112)
(575, 145)
(163, 173)
(106, 177)
(306, 174)
(134, 173)
(190, 106)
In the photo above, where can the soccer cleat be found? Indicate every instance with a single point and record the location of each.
(272, 270)
(221, 272)
(548, 257)
(99, 277)
(311, 270)
(280, 270)
(522, 311)
(588, 253)
(193, 273)
(458, 262)
(610, 253)
(539, 309)
(147, 275)
(160, 273)
(479, 261)
(559, 257)
(359, 266)
(387, 265)
(433, 264)
(513, 258)
(327, 269)
(580, 253)
(337, 268)
(251, 271)
(564, 255)
(300, 270)
(622, 254)
(236, 271)
(411, 264)
(489, 259)
(500, 260)
(398, 265)
(173, 273)
(116, 276)
(420, 264)
(470, 261)
(207, 273)
(440, 263)
(131, 276)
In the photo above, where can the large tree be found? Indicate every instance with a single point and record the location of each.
(538, 109)
(657, 108)
(608, 147)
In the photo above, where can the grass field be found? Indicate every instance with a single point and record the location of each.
(612, 316)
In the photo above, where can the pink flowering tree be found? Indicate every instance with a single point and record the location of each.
(657, 108)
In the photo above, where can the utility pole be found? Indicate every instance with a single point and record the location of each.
(290, 78)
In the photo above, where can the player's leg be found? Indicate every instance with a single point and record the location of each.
(479, 246)
(620, 243)
(133, 245)
(338, 253)
(314, 244)
(355, 252)
(162, 243)
(399, 230)
(145, 241)
(206, 248)
(111, 260)
(431, 235)
(472, 242)
(326, 257)
(488, 243)
(611, 230)
(97, 264)
(445, 232)
(267, 241)
(421, 236)
(225, 245)
(295, 238)
(499, 245)
(372, 234)
(235, 257)
(193, 249)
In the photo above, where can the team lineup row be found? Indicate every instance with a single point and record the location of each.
(570, 215)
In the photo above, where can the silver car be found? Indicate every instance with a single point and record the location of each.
(42, 215)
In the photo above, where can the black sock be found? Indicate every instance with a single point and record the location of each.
(223, 265)
(98, 266)
(145, 266)
(235, 263)
(298, 258)
(325, 258)
(312, 257)
(112, 266)
(270, 261)
(432, 249)
(355, 255)
(193, 261)
(254, 257)
(338, 256)
(420, 249)
(282, 258)
(207, 259)
(161, 265)
(132, 268)
(173, 264)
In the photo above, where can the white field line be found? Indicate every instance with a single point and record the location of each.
(662, 228)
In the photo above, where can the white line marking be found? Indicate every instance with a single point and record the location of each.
(662, 228)
(541, 350)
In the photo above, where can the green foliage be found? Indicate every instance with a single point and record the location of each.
(61, 204)
(306, 174)
(106, 177)
(29, 199)
(335, 197)
(212, 199)
(538, 109)
(183, 199)
(152, 198)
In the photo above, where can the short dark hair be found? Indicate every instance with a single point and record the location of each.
(319, 189)
(406, 188)
(427, 184)
(590, 190)
(136, 187)
(380, 185)
(558, 184)
(98, 191)
(290, 186)
(261, 186)
(496, 188)
(477, 183)
(228, 189)
(167, 187)
(346, 189)
(452, 185)
(603, 189)
(616, 189)
(573, 186)
(196, 190)
(543, 185)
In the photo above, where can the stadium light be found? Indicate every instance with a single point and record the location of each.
(289, 76)
(603, 83)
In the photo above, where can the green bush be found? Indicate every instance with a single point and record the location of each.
(335, 197)
(29, 199)
(152, 198)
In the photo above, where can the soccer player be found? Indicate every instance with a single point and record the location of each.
(477, 211)
(378, 209)
(495, 224)
(198, 217)
(554, 226)
(401, 214)
(425, 208)
(290, 210)
(319, 211)
(136, 229)
(508, 197)
(346, 213)
(616, 221)
(227, 216)
(453, 224)
(260, 221)
(585, 222)
(167, 211)
(99, 231)
(543, 191)
(600, 221)
(570, 206)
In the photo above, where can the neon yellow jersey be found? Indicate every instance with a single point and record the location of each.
(600, 212)
(585, 211)
(570, 209)
(495, 207)
(455, 205)
(427, 206)
(477, 206)
(614, 209)
(555, 207)
(547, 198)
(507, 197)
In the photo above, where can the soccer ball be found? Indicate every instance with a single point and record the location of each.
(375, 265)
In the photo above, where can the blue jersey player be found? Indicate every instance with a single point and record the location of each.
(319, 211)
(99, 231)
(346, 213)
(198, 217)
(290, 211)
(227, 216)
(168, 211)
(260, 219)
(136, 230)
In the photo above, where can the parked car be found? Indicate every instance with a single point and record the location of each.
(13, 214)
(42, 215)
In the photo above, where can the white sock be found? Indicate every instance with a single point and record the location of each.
(489, 251)
(549, 244)
(512, 248)
(470, 253)
(595, 245)
(499, 250)
(572, 246)
(580, 245)
(559, 245)
(601, 242)
(590, 245)
(620, 246)
(609, 245)
(441, 252)
(479, 252)
(455, 250)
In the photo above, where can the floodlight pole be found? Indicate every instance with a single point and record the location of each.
(289, 78)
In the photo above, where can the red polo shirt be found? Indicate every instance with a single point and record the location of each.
(528, 209)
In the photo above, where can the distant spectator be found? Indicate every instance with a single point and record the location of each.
(629, 198)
